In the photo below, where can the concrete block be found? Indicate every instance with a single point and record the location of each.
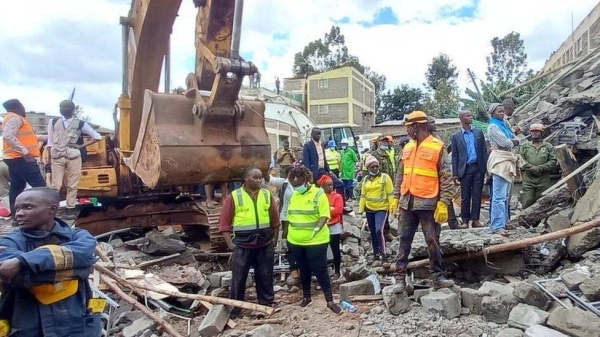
(495, 288)
(395, 303)
(471, 299)
(418, 293)
(445, 303)
(361, 287)
(215, 278)
(510, 332)
(523, 316)
(226, 280)
(138, 327)
(530, 294)
(573, 278)
(542, 331)
(575, 322)
(264, 330)
(591, 288)
(558, 222)
(214, 321)
(497, 308)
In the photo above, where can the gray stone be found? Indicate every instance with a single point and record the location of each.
(264, 330)
(558, 222)
(214, 321)
(578, 244)
(573, 278)
(215, 278)
(585, 84)
(362, 287)
(444, 303)
(395, 303)
(567, 81)
(523, 316)
(226, 280)
(494, 288)
(138, 327)
(542, 331)
(591, 288)
(575, 322)
(555, 305)
(557, 289)
(358, 272)
(532, 295)
(352, 231)
(510, 332)
(497, 308)
(418, 293)
(471, 299)
(155, 243)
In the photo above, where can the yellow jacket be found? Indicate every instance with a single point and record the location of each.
(376, 193)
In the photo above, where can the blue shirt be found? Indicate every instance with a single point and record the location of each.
(469, 137)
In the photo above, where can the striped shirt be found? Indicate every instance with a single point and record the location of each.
(498, 139)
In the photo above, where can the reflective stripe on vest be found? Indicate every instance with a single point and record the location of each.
(382, 195)
(26, 136)
(332, 158)
(314, 212)
(392, 155)
(420, 164)
(250, 215)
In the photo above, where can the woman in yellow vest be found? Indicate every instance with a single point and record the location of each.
(376, 202)
(333, 157)
(307, 234)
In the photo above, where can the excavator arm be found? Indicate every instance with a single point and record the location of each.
(205, 135)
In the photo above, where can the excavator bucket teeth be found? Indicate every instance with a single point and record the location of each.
(176, 146)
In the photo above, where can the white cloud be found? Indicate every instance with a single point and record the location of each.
(401, 52)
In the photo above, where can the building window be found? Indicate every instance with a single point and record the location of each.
(323, 109)
(578, 46)
(323, 84)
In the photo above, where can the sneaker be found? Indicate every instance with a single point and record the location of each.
(442, 282)
(305, 302)
(334, 307)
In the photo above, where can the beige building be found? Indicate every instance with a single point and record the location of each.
(584, 38)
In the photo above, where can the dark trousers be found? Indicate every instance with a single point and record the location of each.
(376, 221)
(334, 242)
(471, 189)
(22, 172)
(262, 260)
(312, 259)
(348, 188)
(410, 220)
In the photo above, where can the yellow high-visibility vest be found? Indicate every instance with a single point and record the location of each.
(333, 159)
(304, 212)
(250, 215)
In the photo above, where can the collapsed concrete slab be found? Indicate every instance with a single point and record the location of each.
(575, 322)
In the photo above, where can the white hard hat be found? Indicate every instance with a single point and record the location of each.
(344, 141)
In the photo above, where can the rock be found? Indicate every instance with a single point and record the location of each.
(178, 274)
(510, 332)
(352, 231)
(523, 316)
(377, 310)
(532, 295)
(542, 331)
(471, 299)
(396, 304)
(358, 272)
(138, 327)
(226, 280)
(444, 303)
(558, 222)
(553, 93)
(575, 322)
(475, 331)
(578, 244)
(573, 278)
(362, 287)
(264, 330)
(556, 288)
(214, 321)
(155, 243)
(494, 288)
(418, 293)
(568, 80)
(591, 288)
(497, 308)
(585, 84)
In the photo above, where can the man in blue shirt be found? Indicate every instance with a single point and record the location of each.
(469, 161)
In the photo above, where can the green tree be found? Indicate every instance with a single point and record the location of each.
(403, 100)
(440, 70)
(440, 80)
(508, 60)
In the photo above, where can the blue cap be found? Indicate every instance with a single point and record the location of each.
(331, 143)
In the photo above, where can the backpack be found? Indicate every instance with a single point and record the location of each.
(79, 141)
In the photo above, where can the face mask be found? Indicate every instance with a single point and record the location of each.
(383, 147)
(374, 173)
(301, 189)
(344, 147)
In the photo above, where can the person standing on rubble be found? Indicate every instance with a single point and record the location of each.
(423, 190)
(538, 161)
(44, 267)
(336, 209)
(385, 166)
(284, 158)
(333, 157)
(21, 149)
(376, 202)
(313, 155)
(501, 165)
(308, 235)
(348, 172)
(65, 143)
(251, 214)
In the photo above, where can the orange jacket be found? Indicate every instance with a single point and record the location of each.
(336, 208)
(26, 136)
(421, 168)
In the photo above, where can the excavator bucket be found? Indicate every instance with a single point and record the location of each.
(182, 142)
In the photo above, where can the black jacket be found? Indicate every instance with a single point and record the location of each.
(310, 158)
(459, 152)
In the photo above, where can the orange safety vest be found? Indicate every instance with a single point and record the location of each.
(26, 136)
(420, 164)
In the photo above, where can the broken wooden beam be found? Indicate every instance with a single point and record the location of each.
(572, 174)
(155, 261)
(570, 168)
(365, 298)
(267, 321)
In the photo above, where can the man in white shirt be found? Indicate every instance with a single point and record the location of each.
(65, 143)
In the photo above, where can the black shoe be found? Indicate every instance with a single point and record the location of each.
(377, 257)
(334, 307)
(305, 302)
(442, 282)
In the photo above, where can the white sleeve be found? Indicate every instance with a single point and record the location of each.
(276, 181)
(88, 130)
(50, 129)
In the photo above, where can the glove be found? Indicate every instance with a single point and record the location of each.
(535, 170)
(441, 212)
(315, 231)
(394, 207)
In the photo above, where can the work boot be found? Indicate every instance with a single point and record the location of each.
(476, 224)
(334, 307)
(440, 281)
(305, 302)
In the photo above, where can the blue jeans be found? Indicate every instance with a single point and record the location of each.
(499, 209)
(348, 186)
(376, 221)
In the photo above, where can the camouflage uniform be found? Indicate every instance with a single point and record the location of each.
(543, 158)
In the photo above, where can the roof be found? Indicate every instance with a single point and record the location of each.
(438, 121)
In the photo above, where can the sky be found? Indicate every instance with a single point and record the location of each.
(47, 48)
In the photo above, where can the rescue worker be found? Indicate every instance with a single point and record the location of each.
(348, 172)
(21, 149)
(381, 154)
(391, 152)
(333, 157)
(251, 214)
(423, 190)
(44, 266)
(284, 158)
(308, 235)
(65, 144)
(538, 160)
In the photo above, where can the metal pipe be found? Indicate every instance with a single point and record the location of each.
(168, 68)
(236, 32)
(124, 21)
